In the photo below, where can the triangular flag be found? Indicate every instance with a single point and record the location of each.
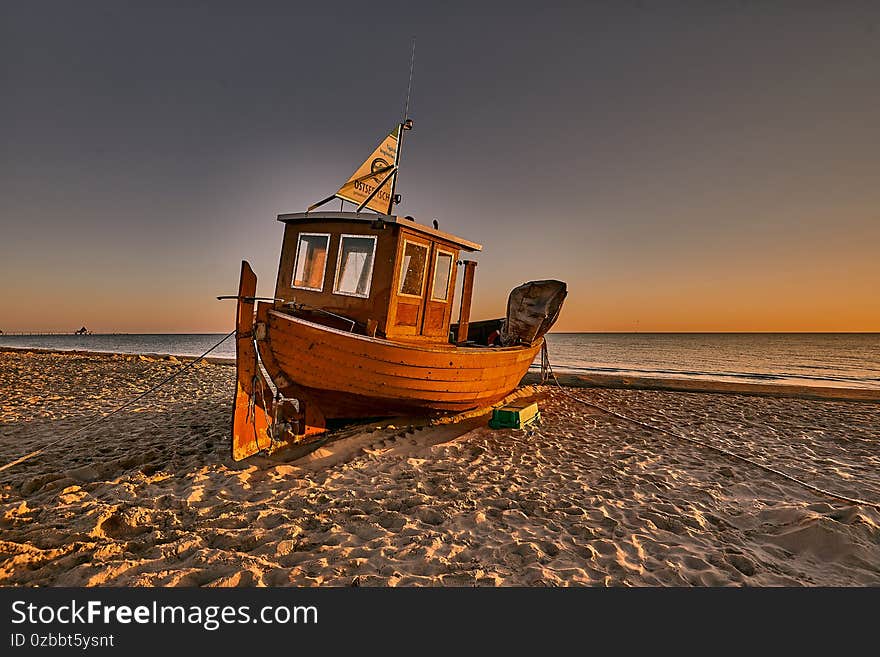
(378, 170)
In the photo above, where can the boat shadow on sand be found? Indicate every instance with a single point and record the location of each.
(190, 436)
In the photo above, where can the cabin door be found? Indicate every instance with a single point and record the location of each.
(415, 259)
(437, 311)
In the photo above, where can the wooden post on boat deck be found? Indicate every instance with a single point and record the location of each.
(467, 291)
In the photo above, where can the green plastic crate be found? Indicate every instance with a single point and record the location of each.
(514, 416)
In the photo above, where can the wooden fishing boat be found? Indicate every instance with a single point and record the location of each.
(360, 325)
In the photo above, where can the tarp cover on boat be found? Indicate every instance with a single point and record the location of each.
(532, 308)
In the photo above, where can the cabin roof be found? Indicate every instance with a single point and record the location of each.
(307, 217)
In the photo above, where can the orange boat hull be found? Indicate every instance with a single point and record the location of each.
(338, 375)
(350, 376)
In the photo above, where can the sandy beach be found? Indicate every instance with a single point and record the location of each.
(151, 497)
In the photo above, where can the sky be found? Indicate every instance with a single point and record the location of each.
(682, 166)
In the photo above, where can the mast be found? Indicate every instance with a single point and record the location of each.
(407, 124)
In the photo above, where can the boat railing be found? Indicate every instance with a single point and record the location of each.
(294, 305)
(304, 306)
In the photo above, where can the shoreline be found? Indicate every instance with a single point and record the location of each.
(214, 360)
(572, 380)
(782, 390)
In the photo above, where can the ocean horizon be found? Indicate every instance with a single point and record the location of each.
(846, 360)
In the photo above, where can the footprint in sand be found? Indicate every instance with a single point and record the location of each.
(118, 527)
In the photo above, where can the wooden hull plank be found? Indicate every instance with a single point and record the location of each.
(410, 354)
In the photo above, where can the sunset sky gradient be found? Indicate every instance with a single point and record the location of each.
(683, 166)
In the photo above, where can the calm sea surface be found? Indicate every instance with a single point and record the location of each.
(849, 360)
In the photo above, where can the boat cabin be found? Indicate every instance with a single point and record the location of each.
(377, 275)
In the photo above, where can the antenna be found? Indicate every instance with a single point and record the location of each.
(412, 60)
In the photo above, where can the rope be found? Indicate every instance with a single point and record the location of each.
(24, 458)
(701, 443)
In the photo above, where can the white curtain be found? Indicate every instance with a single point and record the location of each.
(352, 269)
(355, 266)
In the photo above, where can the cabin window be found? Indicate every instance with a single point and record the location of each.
(354, 265)
(311, 261)
(442, 271)
(412, 272)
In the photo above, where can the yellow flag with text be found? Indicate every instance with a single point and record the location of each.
(377, 170)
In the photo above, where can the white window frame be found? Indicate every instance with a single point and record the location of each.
(339, 261)
(401, 275)
(448, 276)
(296, 262)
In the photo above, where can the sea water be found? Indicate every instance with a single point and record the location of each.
(848, 360)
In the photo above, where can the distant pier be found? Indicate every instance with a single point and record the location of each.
(42, 333)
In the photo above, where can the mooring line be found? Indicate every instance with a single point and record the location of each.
(100, 418)
(545, 365)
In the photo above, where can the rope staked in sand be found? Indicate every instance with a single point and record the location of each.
(720, 450)
(37, 452)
